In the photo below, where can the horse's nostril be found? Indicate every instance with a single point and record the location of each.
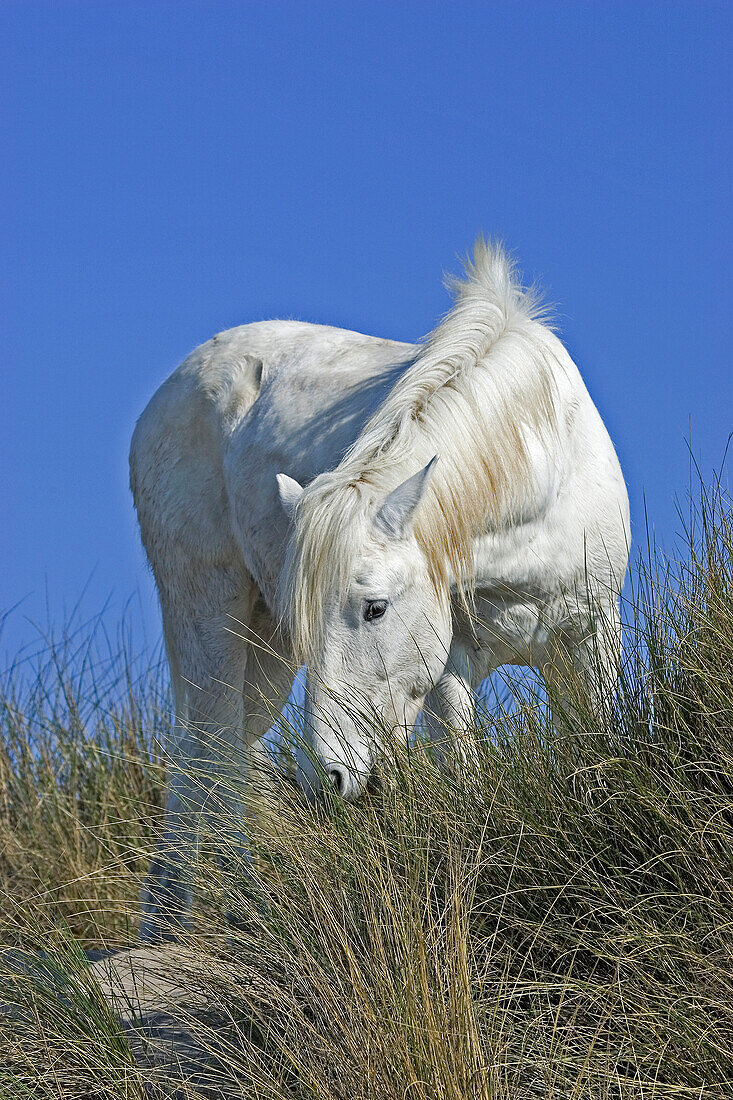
(339, 780)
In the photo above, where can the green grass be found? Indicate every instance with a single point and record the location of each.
(557, 924)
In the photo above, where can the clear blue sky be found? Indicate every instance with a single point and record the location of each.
(173, 169)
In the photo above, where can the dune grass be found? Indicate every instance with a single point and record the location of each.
(555, 923)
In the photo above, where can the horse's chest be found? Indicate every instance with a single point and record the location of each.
(505, 628)
(516, 604)
(523, 575)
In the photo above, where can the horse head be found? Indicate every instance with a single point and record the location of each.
(369, 620)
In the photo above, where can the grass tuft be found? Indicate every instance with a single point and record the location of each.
(554, 922)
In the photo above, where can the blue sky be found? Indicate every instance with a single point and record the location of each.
(173, 169)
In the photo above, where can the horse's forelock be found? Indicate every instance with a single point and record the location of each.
(327, 539)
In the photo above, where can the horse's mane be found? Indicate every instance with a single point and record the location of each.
(478, 390)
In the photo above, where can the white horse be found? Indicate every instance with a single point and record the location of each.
(463, 508)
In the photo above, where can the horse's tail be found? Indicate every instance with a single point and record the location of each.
(178, 684)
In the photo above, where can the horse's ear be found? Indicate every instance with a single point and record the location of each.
(396, 514)
(290, 493)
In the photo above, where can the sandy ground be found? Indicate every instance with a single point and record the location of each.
(172, 1028)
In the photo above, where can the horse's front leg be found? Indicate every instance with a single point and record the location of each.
(449, 713)
(582, 668)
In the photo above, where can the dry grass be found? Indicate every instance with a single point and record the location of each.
(556, 924)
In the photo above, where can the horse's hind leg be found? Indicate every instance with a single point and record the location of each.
(206, 758)
(167, 885)
(267, 682)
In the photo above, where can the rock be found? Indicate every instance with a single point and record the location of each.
(147, 980)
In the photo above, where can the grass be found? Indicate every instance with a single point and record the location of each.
(556, 924)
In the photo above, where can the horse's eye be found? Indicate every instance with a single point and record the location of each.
(374, 609)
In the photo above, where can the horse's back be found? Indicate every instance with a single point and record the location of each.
(252, 401)
(318, 388)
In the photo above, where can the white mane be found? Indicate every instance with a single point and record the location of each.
(480, 388)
